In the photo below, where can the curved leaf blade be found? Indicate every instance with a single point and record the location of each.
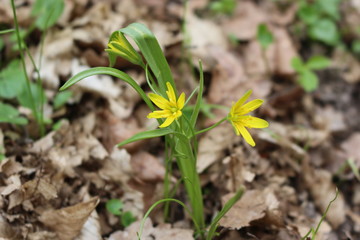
(147, 134)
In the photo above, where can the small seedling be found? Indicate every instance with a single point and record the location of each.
(115, 206)
(320, 17)
(223, 6)
(307, 78)
(264, 36)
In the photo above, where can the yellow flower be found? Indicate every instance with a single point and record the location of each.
(241, 122)
(171, 109)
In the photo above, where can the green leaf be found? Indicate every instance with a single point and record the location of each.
(25, 98)
(297, 64)
(10, 114)
(12, 80)
(325, 30)
(223, 211)
(355, 46)
(147, 134)
(127, 219)
(47, 12)
(309, 14)
(195, 113)
(61, 98)
(112, 72)
(308, 81)
(318, 62)
(223, 6)
(6, 31)
(330, 7)
(152, 53)
(264, 36)
(115, 206)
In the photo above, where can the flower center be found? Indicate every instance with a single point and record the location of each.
(173, 109)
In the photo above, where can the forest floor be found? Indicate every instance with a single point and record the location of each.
(57, 186)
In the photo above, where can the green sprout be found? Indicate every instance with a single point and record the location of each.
(115, 206)
(307, 78)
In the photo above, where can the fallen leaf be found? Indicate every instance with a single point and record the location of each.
(212, 146)
(68, 222)
(146, 167)
(250, 207)
(322, 190)
(204, 34)
(350, 146)
(244, 23)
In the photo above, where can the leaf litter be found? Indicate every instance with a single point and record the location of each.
(57, 186)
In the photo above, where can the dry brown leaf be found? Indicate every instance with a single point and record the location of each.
(229, 81)
(113, 130)
(68, 222)
(244, 23)
(348, 65)
(9, 166)
(147, 167)
(205, 34)
(39, 185)
(91, 229)
(351, 147)
(117, 168)
(6, 230)
(250, 207)
(284, 52)
(13, 183)
(323, 191)
(212, 146)
(40, 235)
(258, 63)
(161, 232)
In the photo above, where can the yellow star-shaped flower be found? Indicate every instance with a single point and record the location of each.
(171, 109)
(240, 121)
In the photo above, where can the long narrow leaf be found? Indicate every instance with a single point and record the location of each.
(152, 52)
(195, 113)
(223, 211)
(147, 134)
(112, 72)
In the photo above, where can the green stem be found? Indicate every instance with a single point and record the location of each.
(28, 87)
(7, 31)
(211, 127)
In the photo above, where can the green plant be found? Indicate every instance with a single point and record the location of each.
(17, 84)
(320, 17)
(223, 6)
(178, 129)
(115, 206)
(313, 231)
(265, 38)
(307, 79)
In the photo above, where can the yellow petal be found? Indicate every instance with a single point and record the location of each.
(235, 128)
(250, 106)
(246, 135)
(241, 101)
(170, 93)
(159, 114)
(159, 101)
(167, 122)
(254, 122)
(181, 101)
